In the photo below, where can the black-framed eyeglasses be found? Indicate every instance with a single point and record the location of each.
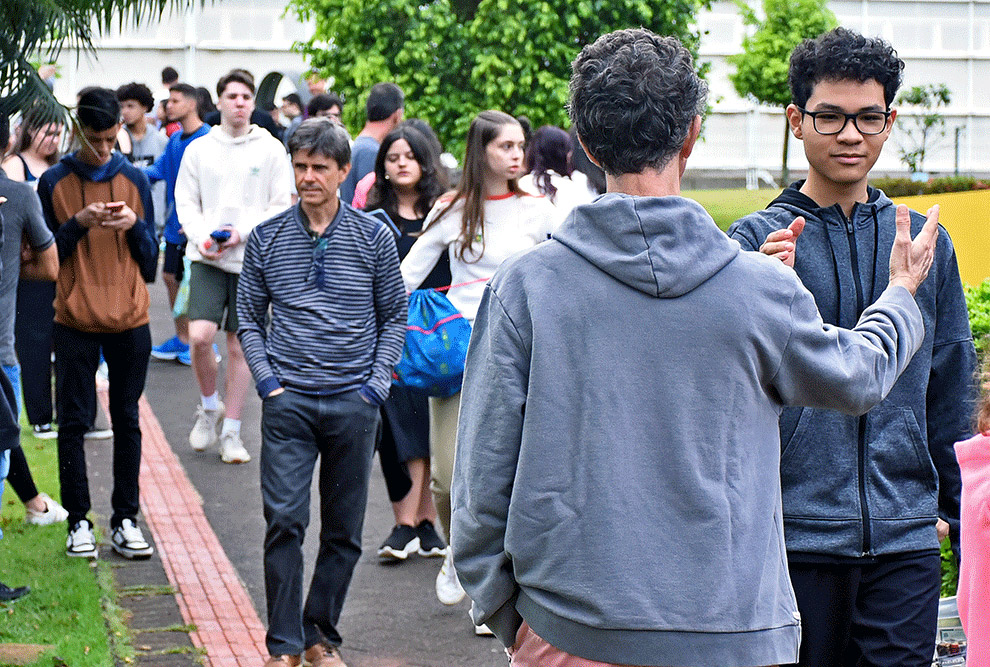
(833, 122)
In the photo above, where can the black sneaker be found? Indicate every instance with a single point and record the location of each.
(430, 543)
(400, 544)
(8, 594)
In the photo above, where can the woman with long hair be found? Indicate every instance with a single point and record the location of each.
(486, 219)
(408, 180)
(36, 148)
(974, 568)
(548, 161)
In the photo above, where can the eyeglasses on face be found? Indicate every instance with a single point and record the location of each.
(833, 122)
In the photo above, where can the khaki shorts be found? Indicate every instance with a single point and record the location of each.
(211, 292)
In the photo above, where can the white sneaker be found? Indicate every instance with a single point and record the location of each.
(128, 540)
(448, 588)
(483, 630)
(81, 542)
(204, 431)
(232, 448)
(98, 434)
(54, 513)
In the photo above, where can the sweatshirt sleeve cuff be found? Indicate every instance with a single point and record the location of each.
(72, 229)
(368, 394)
(505, 622)
(268, 385)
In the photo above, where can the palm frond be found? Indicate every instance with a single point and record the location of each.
(41, 29)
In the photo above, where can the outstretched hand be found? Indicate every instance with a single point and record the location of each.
(781, 243)
(911, 260)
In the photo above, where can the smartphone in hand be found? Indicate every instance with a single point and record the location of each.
(220, 235)
(115, 206)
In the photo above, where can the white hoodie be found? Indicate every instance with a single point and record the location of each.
(239, 181)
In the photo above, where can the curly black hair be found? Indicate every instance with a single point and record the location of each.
(139, 92)
(634, 96)
(842, 54)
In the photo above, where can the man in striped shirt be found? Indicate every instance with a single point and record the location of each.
(323, 366)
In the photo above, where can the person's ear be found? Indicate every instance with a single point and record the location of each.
(794, 118)
(890, 124)
(588, 153)
(689, 142)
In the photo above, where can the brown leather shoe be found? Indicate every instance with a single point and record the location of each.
(320, 655)
(283, 661)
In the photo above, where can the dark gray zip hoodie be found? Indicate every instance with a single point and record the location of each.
(874, 484)
(616, 481)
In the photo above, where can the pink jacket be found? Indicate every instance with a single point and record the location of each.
(974, 574)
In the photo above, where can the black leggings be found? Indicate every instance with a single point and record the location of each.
(33, 343)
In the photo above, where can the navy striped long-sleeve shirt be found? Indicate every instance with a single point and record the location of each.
(332, 329)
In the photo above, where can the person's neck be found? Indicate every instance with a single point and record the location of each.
(406, 200)
(233, 131)
(191, 123)
(495, 187)
(647, 183)
(828, 193)
(376, 129)
(320, 217)
(138, 129)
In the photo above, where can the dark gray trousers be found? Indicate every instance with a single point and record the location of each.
(296, 429)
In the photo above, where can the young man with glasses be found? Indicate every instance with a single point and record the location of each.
(322, 312)
(865, 499)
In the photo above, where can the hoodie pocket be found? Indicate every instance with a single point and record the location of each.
(901, 478)
(818, 466)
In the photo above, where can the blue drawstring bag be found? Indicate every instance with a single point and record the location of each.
(437, 339)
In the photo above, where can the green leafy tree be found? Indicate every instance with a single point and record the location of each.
(454, 58)
(922, 131)
(761, 68)
(41, 29)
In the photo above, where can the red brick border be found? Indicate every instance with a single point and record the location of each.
(208, 590)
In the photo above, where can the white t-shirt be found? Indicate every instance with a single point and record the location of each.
(512, 223)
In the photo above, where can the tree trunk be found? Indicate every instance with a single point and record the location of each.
(784, 173)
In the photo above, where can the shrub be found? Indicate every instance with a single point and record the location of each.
(904, 187)
(978, 304)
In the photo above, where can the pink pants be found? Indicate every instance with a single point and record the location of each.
(531, 650)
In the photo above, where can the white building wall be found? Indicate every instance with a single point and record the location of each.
(202, 45)
(944, 41)
(941, 41)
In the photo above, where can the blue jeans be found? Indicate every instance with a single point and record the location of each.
(10, 429)
(296, 430)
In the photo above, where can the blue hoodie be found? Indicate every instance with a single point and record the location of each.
(873, 485)
(616, 481)
(166, 168)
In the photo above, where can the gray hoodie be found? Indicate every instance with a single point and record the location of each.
(616, 481)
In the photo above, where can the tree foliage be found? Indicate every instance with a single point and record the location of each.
(454, 58)
(761, 67)
(923, 131)
(41, 29)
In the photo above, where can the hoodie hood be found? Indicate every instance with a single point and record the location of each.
(254, 133)
(795, 201)
(101, 174)
(661, 246)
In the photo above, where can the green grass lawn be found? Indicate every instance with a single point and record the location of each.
(66, 605)
(727, 206)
